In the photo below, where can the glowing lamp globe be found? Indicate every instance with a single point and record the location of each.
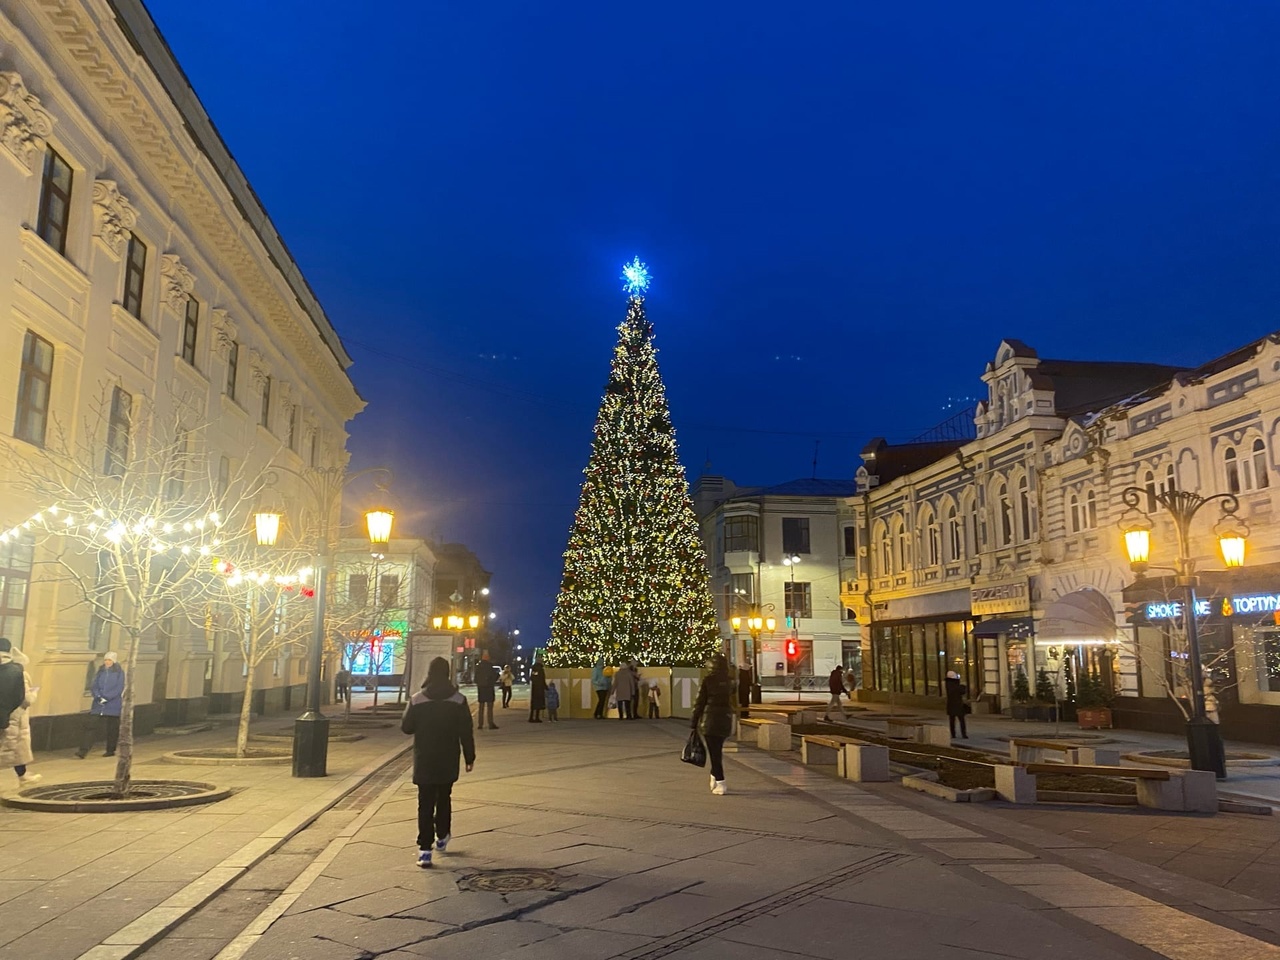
(1231, 542)
(736, 623)
(437, 622)
(473, 621)
(267, 528)
(379, 524)
(1137, 544)
(770, 624)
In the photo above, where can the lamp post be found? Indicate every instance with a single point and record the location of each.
(325, 486)
(757, 624)
(1204, 741)
(379, 524)
(457, 623)
(793, 561)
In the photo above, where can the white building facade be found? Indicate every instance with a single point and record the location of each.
(138, 271)
(748, 533)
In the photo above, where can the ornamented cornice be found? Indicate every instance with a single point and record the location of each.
(24, 125)
(113, 216)
(225, 332)
(176, 282)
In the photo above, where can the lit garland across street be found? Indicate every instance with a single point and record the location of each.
(635, 582)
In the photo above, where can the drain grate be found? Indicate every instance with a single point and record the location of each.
(509, 881)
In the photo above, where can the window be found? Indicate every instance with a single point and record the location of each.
(1149, 484)
(55, 201)
(190, 329)
(1073, 512)
(358, 588)
(742, 587)
(293, 428)
(1231, 467)
(1170, 483)
(264, 416)
(389, 590)
(117, 454)
(135, 272)
(741, 533)
(901, 546)
(1261, 479)
(35, 379)
(1024, 508)
(224, 475)
(930, 539)
(102, 602)
(795, 535)
(973, 526)
(233, 368)
(880, 536)
(955, 535)
(1004, 513)
(313, 455)
(851, 541)
(796, 596)
(1090, 510)
(16, 555)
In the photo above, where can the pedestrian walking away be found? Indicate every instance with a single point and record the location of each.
(486, 683)
(553, 702)
(537, 692)
(342, 684)
(713, 717)
(956, 706)
(655, 700)
(439, 720)
(506, 680)
(624, 690)
(106, 692)
(835, 684)
(600, 684)
(16, 696)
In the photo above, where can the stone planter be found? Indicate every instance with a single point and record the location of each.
(1039, 712)
(1093, 718)
(94, 796)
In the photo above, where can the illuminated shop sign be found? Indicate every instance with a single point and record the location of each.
(1251, 604)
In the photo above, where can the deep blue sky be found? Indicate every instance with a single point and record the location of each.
(846, 205)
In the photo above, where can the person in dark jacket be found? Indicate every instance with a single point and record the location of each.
(600, 684)
(13, 692)
(486, 684)
(440, 721)
(107, 692)
(342, 685)
(956, 707)
(835, 685)
(713, 716)
(537, 692)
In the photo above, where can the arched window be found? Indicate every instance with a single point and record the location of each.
(1261, 479)
(1149, 484)
(1170, 483)
(1231, 469)
(930, 538)
(955, 535)
(901, 546)
(1090, 510)
(1024, 507)
(973, 525)
(1004, 513)
(1074, 519)
(884, 547)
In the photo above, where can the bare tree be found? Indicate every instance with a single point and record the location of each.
(131, 513)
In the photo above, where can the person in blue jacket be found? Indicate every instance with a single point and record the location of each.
(107, 690)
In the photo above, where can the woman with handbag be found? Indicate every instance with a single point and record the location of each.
(713, 716)
(956, 707)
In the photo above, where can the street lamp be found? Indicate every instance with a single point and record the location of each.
(756, 623)
(378, 524)
(325, 486)
(1204, 741)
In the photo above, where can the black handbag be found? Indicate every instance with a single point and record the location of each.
(695, 751)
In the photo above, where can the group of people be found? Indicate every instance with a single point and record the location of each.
(627, 689)
(489, 679)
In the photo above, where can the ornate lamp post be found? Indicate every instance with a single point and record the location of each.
(311, 730)
(1204, 742)
(757, 624)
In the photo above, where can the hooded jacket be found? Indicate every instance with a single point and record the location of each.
(107, 690)
(440, 721)
(713, 712)
(15, 736)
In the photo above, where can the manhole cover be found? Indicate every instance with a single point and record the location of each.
(509, 881)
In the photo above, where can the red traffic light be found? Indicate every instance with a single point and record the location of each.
(792, 648)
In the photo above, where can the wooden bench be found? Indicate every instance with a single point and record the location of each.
(902, 729)
(854, 759)
(1189, 790)
(772, 735)
(1030, 750)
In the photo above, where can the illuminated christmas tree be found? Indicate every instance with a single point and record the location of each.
(635, 583)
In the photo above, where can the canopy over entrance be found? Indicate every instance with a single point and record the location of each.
(1082, 617)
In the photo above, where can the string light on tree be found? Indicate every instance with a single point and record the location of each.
(635, 582)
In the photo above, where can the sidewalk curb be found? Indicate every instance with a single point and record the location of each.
(130, 940)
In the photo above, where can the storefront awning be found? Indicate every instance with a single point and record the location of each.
(1083, 616)
(1013, 626)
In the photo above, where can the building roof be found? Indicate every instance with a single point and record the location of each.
(809, 488)
(1081, 386)
(887, 462)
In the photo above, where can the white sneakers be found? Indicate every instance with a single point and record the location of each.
(28, 779)
(424, 858)
(718, 788)
(443, 842)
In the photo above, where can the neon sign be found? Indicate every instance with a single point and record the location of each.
(1252, 603)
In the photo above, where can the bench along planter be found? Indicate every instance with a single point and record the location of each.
(854, 759)
(773, 735)
(927, 782)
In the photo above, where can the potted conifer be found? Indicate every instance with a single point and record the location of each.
(1093, 709)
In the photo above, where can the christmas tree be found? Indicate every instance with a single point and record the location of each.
(635, 583)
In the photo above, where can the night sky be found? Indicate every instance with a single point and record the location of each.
(845, 206)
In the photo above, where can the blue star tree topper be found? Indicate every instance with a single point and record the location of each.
(637, 277)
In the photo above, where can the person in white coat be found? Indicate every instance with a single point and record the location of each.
(16, 696)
